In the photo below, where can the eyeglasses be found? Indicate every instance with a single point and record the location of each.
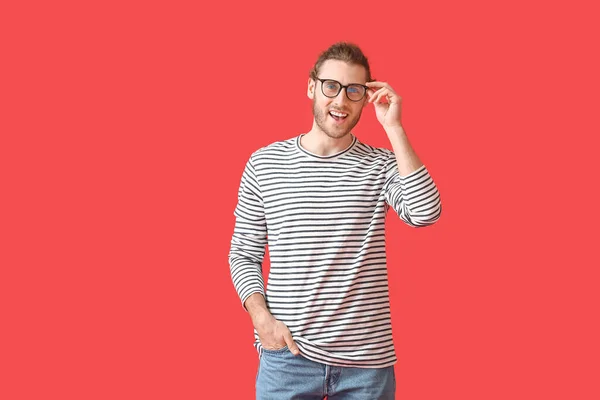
(331, 88)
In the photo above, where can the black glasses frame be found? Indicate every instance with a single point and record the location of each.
(342, 87)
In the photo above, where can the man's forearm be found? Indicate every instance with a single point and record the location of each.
(406, 158)
(257, 308)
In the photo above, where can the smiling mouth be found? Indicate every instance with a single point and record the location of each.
(338, 116)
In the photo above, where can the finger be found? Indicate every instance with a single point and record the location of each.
(381, 85)
(287, 336)
(395, 99)
(391, 97)
(375, 94)
(383, 92)
(370, 93)
(377, 84)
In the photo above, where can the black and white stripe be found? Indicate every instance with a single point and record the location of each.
(324, 221)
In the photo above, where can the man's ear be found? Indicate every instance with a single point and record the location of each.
(310, 92)
(365, 100)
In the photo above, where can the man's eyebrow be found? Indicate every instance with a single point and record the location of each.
(351, 83)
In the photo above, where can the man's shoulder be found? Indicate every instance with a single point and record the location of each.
(275, 148)
(372, 151)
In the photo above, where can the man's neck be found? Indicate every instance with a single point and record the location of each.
(317, 142)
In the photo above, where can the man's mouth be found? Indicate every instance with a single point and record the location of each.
(337, 115)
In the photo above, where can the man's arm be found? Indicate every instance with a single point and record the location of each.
(406, 159)
(409, 189)
(249, 237)
(245, 260)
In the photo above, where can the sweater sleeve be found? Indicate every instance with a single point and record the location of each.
(414, 197)
(249, 237)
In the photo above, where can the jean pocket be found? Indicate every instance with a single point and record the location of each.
(276, 351)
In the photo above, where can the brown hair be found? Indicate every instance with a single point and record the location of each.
(342, 51)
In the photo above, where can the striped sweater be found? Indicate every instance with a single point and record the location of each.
(323, 218)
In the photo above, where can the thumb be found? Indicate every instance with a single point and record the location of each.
(287, 336)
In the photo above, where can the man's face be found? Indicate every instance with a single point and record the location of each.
(337, 126)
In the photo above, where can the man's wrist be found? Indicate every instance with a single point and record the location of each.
(394, 130)
(257, 308)
(261, 318)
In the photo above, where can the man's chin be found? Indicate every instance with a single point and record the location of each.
(336, 134)
(334, 131)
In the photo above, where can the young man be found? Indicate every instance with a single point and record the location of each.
(320, 200)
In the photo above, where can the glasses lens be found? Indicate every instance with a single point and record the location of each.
(355, 92)
(331, 88)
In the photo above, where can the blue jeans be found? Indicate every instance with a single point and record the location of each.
(283, 376)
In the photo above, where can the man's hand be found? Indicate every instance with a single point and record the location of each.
(389, 113)
(273, 334)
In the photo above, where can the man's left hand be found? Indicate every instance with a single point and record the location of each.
(388, 105)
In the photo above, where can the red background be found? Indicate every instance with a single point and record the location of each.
(124, 131)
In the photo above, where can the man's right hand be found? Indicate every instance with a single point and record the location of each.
(273, 334)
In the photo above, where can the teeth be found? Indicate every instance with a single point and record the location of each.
(338, 114)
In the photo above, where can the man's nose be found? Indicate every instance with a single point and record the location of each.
(341, 98)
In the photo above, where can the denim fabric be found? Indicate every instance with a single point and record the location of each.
(283, 376)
